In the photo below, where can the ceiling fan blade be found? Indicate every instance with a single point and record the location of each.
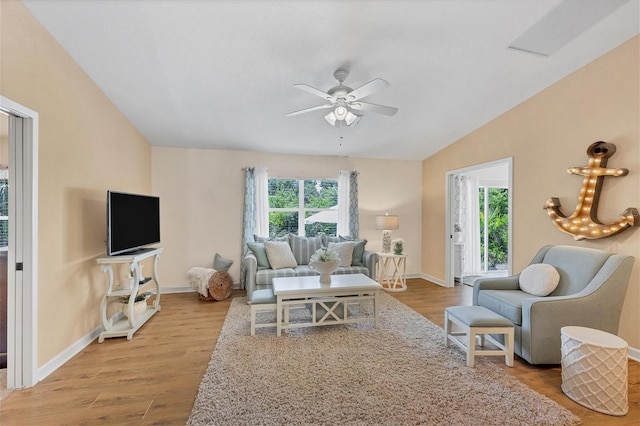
(315, 91)
(302, 111)
(367, 89)
(379, 109)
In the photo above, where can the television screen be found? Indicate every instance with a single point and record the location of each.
(133, 222)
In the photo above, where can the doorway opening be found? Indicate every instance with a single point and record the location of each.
(479, 222)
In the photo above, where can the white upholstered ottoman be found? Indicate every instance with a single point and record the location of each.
(478, 321)
(595, 369)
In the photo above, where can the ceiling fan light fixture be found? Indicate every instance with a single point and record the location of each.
(331, 118)
(351, 118)
(341, 112)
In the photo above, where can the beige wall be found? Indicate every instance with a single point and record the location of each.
(86, 146)
(545, 135)
(202, 192)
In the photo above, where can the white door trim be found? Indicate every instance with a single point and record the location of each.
(22, 315)
(449, 209)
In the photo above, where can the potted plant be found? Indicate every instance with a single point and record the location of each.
(324, 261)
(139, 304)
(457, 233)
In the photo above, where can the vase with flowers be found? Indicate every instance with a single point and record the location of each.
(324, 261)
(398, 245)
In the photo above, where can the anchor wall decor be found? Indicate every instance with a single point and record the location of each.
(584, 223)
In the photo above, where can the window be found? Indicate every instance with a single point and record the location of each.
(494, 227)
(303, 207)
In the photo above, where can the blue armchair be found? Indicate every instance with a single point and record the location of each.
(590, 293)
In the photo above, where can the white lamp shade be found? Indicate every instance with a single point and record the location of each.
(387, 222)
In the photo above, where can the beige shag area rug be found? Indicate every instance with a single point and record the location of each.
(4, 392)
(400, 374)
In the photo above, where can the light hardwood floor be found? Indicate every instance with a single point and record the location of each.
(154, 378)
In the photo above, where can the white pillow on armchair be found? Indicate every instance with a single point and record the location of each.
(539, 279)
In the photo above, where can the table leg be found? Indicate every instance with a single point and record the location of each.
(279, 316)
(375, 308)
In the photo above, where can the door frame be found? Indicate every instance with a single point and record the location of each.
(450, 210)
(22, 300)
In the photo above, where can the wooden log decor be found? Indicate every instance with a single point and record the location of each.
(583, 223)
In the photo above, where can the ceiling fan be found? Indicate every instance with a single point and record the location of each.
(345, 102)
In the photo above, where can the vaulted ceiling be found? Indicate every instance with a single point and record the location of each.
(221, 74)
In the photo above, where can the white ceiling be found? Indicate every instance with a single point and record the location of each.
(220, 74)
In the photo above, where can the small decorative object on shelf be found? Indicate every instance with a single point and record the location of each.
(398, 245)
(324, 261)
(139, 304)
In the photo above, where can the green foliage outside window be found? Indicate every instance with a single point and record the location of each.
(497, 236)
(286, 194)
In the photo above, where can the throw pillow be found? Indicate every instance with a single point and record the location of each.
(304, 247)
(280, 255)
(326, 239)
(358, 251)
(344, 250)
(539, 279)
(260, 253)
(259, 239)
(221, 264)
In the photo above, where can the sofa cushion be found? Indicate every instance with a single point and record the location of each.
(507, 303)
(265, 276)
(576, 265)
(260, 253)
(304, 247)
(305, 271)
(279, 254)
(326, 239)
(344, 251)
(358, 250)
(343, 270)
(260, 239)
(539, 279)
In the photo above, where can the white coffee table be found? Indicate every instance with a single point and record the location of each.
(328, 301)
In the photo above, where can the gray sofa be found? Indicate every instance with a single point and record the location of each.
(257, 274)
(590, 293)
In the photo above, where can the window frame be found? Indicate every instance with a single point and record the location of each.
(301, 210)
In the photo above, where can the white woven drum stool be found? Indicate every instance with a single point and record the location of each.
(594, 369)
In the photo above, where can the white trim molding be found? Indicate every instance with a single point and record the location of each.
(434, 280)
(22, 315)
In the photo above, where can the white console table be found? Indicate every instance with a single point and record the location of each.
(129, 324)
(392, 271)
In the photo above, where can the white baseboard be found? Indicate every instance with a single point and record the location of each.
(408, 276)
(433, 280)
(169, 290)
(634, 354)
(75, 348)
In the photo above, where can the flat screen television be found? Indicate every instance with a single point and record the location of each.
(133, 222)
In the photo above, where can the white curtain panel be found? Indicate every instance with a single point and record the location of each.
(471, 228)
(343, 202)
(262, 202)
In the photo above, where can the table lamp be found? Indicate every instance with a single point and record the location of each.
(387, 223)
